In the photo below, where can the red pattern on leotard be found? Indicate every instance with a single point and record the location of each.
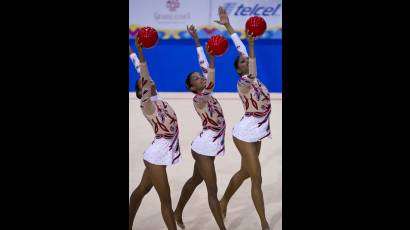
(212, 117)
(165, 124)
(258, 94)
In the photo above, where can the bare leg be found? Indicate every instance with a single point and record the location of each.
(207, 170)
(186, 193)
(236, 181)
(252, 165)
(159, 179)
(137, 195)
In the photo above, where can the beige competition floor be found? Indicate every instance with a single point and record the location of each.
(197, 215)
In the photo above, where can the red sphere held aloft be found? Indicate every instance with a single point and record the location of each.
(255, 25)
(218, 45)
(148, 37)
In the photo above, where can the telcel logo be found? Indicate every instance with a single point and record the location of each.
(257, 10)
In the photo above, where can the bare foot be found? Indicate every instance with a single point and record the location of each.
(178, 220)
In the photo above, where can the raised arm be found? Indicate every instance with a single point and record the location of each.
(210, 83)
(224, 20)
(135, 60)
(252, 60)
(203, 62)
(202, 98)
(146, 82)
(245, 82)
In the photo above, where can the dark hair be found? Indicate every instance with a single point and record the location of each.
(236, 62)
(188, 84)
(137, 91)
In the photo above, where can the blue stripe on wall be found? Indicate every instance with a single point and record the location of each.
(171, 60)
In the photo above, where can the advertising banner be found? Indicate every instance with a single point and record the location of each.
(170, 17)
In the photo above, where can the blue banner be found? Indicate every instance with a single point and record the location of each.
(171, 60)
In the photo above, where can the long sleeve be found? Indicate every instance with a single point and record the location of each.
(146, 86)
(136, 62)
(239, 44)
(203, 62)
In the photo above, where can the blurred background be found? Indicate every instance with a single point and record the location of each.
(169, 62)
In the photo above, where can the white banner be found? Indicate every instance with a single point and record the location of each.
(240, 11)
(169, 14)
(170, 17)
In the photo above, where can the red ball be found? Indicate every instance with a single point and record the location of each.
(255, 25)
(218, 45)
(148, 37)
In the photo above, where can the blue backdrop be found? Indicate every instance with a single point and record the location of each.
(171, 60)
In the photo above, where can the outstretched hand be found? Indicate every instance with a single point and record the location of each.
(138, 43)
(139, 48)
(251, 41)
(192, 31)
(209, 51)
(223, 17)
(250, 37)
(211, 56)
